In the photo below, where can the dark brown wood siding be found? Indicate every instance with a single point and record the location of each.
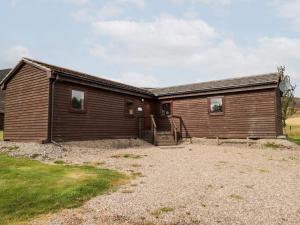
(279, 113)
(105, 115)
(26, 105)
(247, 114)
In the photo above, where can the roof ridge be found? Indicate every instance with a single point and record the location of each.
(221, 80)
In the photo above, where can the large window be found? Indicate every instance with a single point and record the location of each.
(78, 100)
(166, 108)
(216, 105)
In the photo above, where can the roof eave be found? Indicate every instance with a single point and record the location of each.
(218, 91)
(15, 69)
(72, 79)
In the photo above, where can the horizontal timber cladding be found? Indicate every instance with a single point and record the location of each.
(279, 113)
(246, 114)
(105, 115)
(26, 105)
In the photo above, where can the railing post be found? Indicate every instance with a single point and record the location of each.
(154, 136)
(175, 135)
(153, 128)
(140, 127)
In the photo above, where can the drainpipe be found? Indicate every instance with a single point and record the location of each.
(52, 111)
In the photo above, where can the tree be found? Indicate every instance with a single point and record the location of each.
(288, 96)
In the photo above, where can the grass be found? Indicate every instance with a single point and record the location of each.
(272, 145)
(128, 156)
(264, 171)
(59, 162)
(136, 165)
(295, 139)
(29, 188)
(292, 129)
(236, 197)
(161, 210)
(167, 209)
(1, 135)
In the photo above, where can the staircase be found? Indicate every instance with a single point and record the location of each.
(158, 137)
(148, 136)
(165, 138)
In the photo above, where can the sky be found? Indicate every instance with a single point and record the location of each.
(155, 43)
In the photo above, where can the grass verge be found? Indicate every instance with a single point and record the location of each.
(29, 188)
(295, 139)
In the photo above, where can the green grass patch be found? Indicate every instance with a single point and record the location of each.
(292, 129)
(264, 171)
(295, 139)
(236, 197)
(128, 156)
(29, 188)
(167, 209)
(161, 210)
(1, 135)
(59, 162)
(272, 145)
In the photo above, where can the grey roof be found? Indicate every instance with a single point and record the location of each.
(244, 83)
(3, 73)
(83, 76)
(241, 82)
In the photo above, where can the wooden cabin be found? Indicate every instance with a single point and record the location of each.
(47, 103)
(3, 73)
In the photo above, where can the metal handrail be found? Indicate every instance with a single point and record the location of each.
(153, 128)
(174, 129)
(153, 121)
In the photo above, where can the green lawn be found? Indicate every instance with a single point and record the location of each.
(29, 188)
(1, 135)
(295, 139)
(292, 130)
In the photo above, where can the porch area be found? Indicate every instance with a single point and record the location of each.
(161, 130)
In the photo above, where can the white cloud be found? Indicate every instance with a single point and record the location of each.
(162, 42)
(78, 2)
(190, 45)
(289, 9)
(207, 2)
(107, 10)
(11, 56)
(137, 79)
(137, 3)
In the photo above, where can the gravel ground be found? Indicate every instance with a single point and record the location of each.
(194, 183)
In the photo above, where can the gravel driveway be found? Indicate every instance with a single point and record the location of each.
(200, 183)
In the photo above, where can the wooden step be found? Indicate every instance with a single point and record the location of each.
(165, 139)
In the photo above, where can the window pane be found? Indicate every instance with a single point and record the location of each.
(129, 107)
(216, 105)
(166, 109)
(77, 99)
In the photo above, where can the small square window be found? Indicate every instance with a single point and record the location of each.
(77, 100)
(166, 109)
(129, 107)
(216, 105)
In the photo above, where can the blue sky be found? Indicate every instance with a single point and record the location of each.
(155, 43)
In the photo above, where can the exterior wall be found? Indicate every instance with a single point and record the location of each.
(279, 114)
(2, 106)
(26, 105)
(247, 114)
(1, 121)
(104, 118)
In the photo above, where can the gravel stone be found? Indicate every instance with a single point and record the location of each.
(199, 183)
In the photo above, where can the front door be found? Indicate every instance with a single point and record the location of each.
(147, 115)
